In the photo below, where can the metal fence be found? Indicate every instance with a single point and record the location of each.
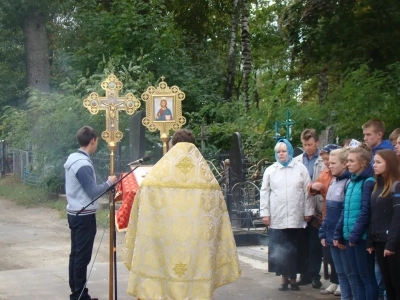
(6, 159)
(243, 198)
(20, 163)
(22, 168)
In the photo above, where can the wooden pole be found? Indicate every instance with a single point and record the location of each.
(164, 139)
(112, 249)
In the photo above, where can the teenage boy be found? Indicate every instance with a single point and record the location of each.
(81, 189)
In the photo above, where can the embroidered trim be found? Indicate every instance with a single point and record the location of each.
(143, 275)
(167, 278)
(201, 186)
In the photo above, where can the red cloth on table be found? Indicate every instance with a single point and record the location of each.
(125, 192)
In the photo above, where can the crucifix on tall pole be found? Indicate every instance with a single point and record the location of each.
(288, 123)
(112, 103)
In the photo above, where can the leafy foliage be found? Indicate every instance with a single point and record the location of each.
(362, 95)
(345, 51)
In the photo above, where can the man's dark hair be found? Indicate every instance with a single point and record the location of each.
(85, 135)
(182, 135)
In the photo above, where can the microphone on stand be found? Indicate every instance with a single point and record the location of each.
(139, 161)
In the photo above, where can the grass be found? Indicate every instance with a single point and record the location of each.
(31, 196)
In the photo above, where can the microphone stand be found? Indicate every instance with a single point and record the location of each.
(109, 189)
(112, 188)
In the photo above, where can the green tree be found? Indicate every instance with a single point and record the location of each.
(32, 18)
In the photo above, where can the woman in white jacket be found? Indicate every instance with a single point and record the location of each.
(286, 207)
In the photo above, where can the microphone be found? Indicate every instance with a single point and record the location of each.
(139, 161)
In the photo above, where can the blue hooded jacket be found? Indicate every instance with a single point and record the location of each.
(386, 144)
(334, 206)
(355, 218)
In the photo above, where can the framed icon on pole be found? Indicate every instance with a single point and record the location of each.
(163, 109)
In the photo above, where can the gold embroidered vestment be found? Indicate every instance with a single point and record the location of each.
(179, 242)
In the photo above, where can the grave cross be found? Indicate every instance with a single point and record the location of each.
(203, 137)
(112, 103)
(288, 123)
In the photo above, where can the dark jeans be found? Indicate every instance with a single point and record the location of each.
(314, 255)
(379, 281)
(362, 265)
(390, 269)
(83, 231)
(333, 277)
(346, 277)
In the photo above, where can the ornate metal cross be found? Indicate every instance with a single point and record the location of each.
(112, 103)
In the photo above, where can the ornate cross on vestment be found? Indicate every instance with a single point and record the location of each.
(112, 103)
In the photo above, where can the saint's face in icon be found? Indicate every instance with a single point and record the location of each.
(164, 113)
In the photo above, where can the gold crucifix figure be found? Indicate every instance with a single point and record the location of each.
(112, 103)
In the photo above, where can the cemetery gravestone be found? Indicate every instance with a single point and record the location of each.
(137, 140)
(237, 160)
(327, 136)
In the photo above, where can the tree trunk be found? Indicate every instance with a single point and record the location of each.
(36, 52)
(230, 78)
(323, 85)
(256, 96)
(246, 53)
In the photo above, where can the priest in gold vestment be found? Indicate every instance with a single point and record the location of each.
(179, 242)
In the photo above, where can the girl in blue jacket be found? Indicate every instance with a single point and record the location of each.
(353, 224)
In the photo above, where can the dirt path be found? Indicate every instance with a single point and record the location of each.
(37, 237)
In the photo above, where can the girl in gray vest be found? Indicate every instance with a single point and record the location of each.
(334, 208)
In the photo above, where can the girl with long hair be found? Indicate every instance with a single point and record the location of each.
(384, 232)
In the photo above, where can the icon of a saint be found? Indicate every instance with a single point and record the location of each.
(164, 113)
